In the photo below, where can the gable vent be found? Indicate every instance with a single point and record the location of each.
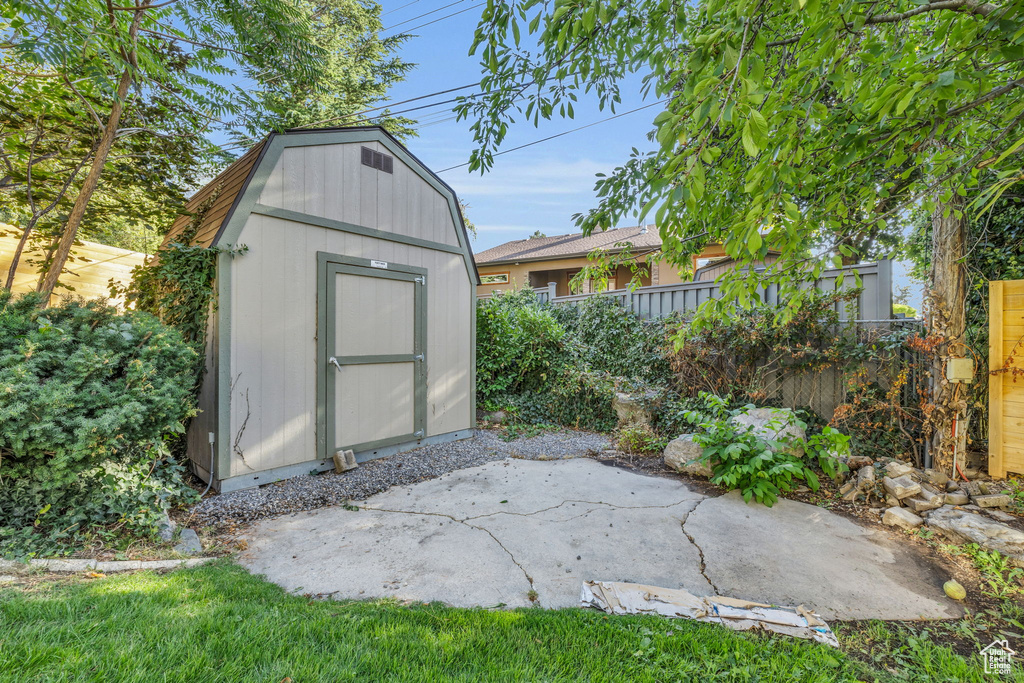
(381, 162)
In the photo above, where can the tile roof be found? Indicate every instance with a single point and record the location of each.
(575, 244)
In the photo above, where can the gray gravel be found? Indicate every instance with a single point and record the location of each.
(314, 491)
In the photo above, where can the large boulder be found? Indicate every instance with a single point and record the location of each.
(682, 454)
(966, 527)
(632, 410)
(773, 424)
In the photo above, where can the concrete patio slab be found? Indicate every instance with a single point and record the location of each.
(490, 535)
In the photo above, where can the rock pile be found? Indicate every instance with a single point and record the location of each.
(965, 512)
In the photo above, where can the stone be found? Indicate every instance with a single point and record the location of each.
(952, 486)
(936, 477)
(972, 474)
(898, 469)
(901, 517)
(1001, 516)
(962, 526)
(855, 462)
(166, 529)
(497, 417)
(956, 498)
(920, 504)
(773, 424)
(866, 478)
(852, 495)
(681, 454)
(892, 501)
(992, 500)
(901, 487)
(847, 487)
(633, 410)
(930, 493)
(188, 543)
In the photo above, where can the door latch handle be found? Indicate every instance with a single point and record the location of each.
(335, 362)
(419, 357)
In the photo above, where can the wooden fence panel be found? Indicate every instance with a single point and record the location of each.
(1006, 389)
(89, 269)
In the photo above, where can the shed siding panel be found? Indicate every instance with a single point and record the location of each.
(205, 420)
(274, 285)
(330, 181)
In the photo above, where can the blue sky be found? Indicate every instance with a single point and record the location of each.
(538, 188)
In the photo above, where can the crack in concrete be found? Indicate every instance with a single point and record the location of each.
(464, 523)
(700, 551)
(573, 500)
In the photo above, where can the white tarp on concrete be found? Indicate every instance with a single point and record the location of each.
(739, 615)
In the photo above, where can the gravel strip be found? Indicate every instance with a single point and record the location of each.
(309, 492)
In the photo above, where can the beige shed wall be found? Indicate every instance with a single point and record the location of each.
(330, 181)
(274, 365)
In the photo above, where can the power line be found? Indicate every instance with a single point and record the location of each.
(398, 8)
(425, 14)
(448, 16)
(395, 104)
(558, 135)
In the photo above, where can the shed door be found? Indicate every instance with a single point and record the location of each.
(375, 357)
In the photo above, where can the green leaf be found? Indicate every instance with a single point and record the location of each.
(748, 140)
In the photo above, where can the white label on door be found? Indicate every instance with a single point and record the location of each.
(378, 264)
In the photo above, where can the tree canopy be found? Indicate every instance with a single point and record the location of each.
(799, 125)
(110, 108)
(793, 123)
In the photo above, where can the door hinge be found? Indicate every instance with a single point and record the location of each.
(422, 280)
(418, 433)
(419, 357)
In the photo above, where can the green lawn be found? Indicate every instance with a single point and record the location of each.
(218, 623)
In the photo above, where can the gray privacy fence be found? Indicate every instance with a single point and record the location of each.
(825, 388)
(874, 304)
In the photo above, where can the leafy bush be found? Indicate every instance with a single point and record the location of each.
(761, 468)
(607, 338)
(518, 345)
(89, 399)
(640, 440)
(526, 365)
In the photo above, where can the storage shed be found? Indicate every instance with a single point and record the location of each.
(349, 320)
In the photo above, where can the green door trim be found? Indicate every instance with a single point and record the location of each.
(328, 265)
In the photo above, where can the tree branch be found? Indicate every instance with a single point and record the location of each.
(974, 7)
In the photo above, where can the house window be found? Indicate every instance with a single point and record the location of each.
(495, 279)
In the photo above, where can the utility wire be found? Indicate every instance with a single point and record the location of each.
(420, 16)
(398, 8)
(447, 16)
(395, 104)
(558, 135)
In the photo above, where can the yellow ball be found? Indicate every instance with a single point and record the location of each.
(954, 590)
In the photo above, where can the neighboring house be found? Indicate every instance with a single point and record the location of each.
(538, 261)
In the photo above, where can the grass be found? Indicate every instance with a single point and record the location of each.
(218, 623)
